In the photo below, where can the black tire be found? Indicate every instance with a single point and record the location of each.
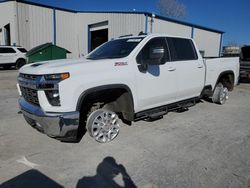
(20, 63)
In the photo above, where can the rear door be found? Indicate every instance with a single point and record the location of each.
(189, 67)
(7, 55)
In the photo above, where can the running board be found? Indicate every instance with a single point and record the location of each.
(158, 112)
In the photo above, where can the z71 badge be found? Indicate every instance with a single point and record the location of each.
(121, 64)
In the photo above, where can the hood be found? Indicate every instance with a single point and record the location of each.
(50, 67)
(68, 65)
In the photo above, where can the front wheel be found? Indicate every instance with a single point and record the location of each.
(220, 95)
(103, 125)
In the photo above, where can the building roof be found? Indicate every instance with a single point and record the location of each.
(121, 12)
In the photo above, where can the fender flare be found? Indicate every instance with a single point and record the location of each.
(85, 93)
(222, 74)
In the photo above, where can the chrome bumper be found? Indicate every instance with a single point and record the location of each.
(62, 126)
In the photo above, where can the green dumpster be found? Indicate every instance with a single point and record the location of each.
(46, 52)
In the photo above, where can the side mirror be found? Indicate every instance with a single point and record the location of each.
(156, 54)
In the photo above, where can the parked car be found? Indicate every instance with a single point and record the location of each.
(12, 56)
(245, 62)
(131, 78)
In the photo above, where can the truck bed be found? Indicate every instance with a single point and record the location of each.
(216, 66)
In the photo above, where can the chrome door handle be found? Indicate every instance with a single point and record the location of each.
(171, 69)
(200, 66)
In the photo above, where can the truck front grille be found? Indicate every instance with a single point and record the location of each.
(30, 95)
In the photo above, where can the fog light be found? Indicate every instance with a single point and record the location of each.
(53, 97)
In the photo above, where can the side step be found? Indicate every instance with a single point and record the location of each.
(157, 113)
(187, 104)
(154, 114)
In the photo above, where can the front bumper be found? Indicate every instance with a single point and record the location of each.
(62, 126)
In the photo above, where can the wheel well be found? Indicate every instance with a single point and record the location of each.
(117, 99)
(227, 80)
(20, 59)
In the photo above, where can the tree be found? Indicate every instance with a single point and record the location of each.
(172, 8)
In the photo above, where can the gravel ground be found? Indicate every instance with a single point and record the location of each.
(206, 146)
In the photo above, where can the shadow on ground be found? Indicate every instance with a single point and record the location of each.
(31, 179)
(7, 68)
(106, 172)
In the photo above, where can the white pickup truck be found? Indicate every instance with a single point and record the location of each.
(130, 78)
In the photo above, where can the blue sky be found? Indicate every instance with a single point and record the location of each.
(230, 16)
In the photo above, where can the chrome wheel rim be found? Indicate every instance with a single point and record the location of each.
(105, 126)
(223, 95)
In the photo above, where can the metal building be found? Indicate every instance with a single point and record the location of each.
(30, 24)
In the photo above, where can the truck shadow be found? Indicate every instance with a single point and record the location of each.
(106, 172)
(31, 178)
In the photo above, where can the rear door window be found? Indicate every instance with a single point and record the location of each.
(7, 50)
(181, 49)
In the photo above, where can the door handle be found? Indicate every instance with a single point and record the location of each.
(200, 66)
(171, 69)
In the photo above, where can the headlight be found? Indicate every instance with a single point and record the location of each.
(59, 77)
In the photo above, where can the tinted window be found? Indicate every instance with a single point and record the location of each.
(23, 50)
(115, 49)
(7, 50)
(181, 49)
(245, 53)
(160, 42)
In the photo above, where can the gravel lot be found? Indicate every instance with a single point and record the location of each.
(206, 146)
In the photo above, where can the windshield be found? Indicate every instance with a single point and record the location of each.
(115, 48)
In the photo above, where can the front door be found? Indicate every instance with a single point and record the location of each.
(156, 84)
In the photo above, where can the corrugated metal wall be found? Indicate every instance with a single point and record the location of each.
(35, 25)
(8, 16)
(170, 28)
(207, 41)
(118, 24)
(66, 32)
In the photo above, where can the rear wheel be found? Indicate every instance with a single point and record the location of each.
(20, 63)
(220, 95)
(103, 125)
